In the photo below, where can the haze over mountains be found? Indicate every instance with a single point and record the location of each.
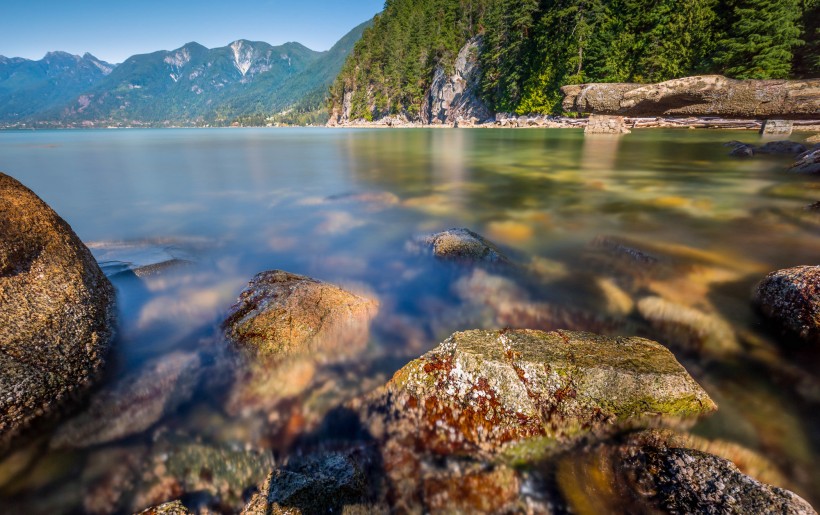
(191, 85)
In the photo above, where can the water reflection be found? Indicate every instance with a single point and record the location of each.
(658, 233)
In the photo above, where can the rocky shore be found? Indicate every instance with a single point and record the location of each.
(549, 409)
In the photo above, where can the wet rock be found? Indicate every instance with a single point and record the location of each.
(689, 328)
(56, 315)
(109, 476)
(159, 268)
(461, 245)
(313, 484)
(814, 139)
(168, 508)
(781, 147)
(281, 313)
(790, 300)
(219, 475)
(808, 162)
(133, 404)
(482, 392)
(471, 488)
(740, 149)
(645, 476)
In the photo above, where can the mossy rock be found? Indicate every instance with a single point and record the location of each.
(482, 393)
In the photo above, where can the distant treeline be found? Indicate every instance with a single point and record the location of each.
(530, 48)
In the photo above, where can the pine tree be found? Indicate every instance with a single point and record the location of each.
(761, 39)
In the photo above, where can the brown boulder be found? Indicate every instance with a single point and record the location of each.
(56, 310)
(790, 300)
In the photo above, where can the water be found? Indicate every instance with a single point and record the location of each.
(235, 202)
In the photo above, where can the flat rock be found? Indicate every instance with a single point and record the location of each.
(461, 245)
(790, 300)
(133, 404)
(281, 314)
(56, 310)
(480, 392)
(704, 95)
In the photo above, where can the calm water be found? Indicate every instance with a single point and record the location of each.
(236, 202)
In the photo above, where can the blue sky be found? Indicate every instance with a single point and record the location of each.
(112, 30)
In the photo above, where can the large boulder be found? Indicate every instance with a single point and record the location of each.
(281, 313)
(483, 392)
(790, 300)
(707, 95)
(56, 310)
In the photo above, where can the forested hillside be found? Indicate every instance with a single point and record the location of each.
(530, 48)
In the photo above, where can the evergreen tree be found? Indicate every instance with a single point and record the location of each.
(761, 39)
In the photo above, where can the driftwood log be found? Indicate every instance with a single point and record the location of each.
(707, 95)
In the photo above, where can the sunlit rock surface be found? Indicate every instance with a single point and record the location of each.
(706, 95)
(790, 299)
(480, 392)
(168, 508)
(281, 313)
(461, 245)
(56, 310)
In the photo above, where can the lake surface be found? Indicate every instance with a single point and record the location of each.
(231, 203)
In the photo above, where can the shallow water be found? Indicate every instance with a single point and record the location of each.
(234, 202)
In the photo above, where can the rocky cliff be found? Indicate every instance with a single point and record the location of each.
(707, 95)
(455, 97)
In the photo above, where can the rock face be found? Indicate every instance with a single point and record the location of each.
(603, 124)
(459, 245)
(790, 299)
(455, 97)
(479, 391)
(281, 313)
(56, 310)
(707, 95)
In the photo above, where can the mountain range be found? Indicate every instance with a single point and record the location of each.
(192, 85)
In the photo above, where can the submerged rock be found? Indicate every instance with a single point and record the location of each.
(218, 475)
(481, 392)
(646, 474)
(135, 403)
(371, 200)
(168, 508)
(781, 147)
(56, 314)
(790, 300)
(808, 162)
(459, 245)
(281, 313)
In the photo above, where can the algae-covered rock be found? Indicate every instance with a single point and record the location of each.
(790, 300)
(168, 508)
(56, 310)
(479, 392)
(219, 475)
(135, 403)
(281, 313)
(461, 245)
(647, 474)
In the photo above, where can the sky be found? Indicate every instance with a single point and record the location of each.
(113, 30)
